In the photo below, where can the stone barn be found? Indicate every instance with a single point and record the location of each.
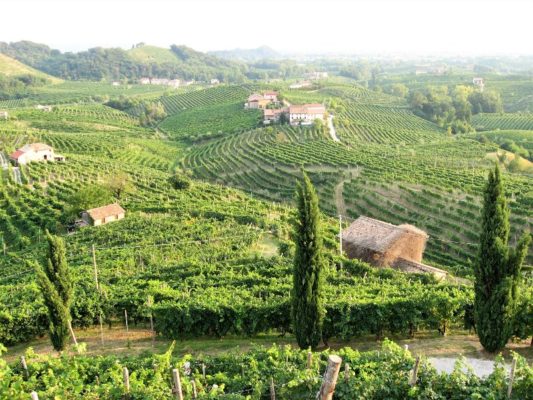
(103, 215)
(386, 245)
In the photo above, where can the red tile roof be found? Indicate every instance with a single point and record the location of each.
(16, 155)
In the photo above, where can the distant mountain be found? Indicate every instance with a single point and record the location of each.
(13, 68)
(259, 53)
(114, 63)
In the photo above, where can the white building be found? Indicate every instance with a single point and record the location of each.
(116, 83)
(35, 152)
(306, 114)
(299, 85)
(43, 108)
(316, 75)
(215, 81)
(144, 81)
(479, 82)
(4, 115)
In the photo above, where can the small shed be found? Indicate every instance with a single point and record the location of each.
(103, 215)
(386, 245)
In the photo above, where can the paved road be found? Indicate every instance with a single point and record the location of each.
(332, 131)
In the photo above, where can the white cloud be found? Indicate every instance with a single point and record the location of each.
(401, 26)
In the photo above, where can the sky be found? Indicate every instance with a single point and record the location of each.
(407, 27)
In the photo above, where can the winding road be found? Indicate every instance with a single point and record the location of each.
(332, 131)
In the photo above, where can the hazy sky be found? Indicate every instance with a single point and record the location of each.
(458, 27)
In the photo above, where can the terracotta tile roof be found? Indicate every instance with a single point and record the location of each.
(15, 155)
(307, 109)
(105, 211)
(255, 97)
(36, 147)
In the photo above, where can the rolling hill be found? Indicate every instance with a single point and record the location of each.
(11, 67)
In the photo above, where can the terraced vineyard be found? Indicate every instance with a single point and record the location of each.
(503, 121)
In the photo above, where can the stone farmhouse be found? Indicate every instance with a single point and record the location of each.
(160, 81)
(386, 245)
(4, 115)
(103, 215)
(306, 114)
(35, 152)
(261, 101)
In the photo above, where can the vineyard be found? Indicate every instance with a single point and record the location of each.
(503, 121)
(214, 259)
(257, 374)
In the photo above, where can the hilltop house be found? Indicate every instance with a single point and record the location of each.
(103, 215)
(385, 245)
(261, 101)
(4, 115)
(160, 81)
(316, 75)
(305, 114)
(273, 115)
(35, 152)
(479, 82)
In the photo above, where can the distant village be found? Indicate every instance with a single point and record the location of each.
(275, 110)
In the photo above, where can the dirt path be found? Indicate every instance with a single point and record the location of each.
(332, 131)
(340, 204)
(3, 160)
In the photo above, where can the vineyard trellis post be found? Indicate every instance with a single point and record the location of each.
(177, 384)
(511, 378)
(414, 375)
(126, 379)
(95, 269)
(126, 319)
(101, 329)
(346, 372)
(309, 359)
(34, 395)
(272, 389)
(203, 371)
(24, 366)
(194, 391)
(330, 378)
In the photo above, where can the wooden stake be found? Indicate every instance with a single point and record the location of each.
(309, 359)
(177, 384)
(95, 269)
(126, 378)
(101, 330)
(511, 378)
(272, 390)
(72, 333)
(194, 392)
(414, 376)
(34, 396)
(126, 319)
(330, 378)
(24, 366)
(346, 372)
(203, 371)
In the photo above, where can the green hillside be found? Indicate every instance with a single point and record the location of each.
(152, 54)
(11, 67)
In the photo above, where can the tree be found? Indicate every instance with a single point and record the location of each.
(86, 198)
(57, 289)
(118, 183)
(307, 298)
(498, 269)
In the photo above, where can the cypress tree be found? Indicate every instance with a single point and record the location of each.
(307, 299)
(498, 269)
(56, 287)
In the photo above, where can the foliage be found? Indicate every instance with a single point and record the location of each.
(381, 374)
(88, 197)
(307, 292)
(56, 288)
(498, 270)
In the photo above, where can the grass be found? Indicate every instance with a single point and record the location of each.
(151, 54)
(11, 67)
(140, 340)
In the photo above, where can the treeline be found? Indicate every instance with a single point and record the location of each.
(453, 107)
(116, 64)
(15, 87)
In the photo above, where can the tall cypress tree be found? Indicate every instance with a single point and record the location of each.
(307, 299)
(498, 269)
(56, 287)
